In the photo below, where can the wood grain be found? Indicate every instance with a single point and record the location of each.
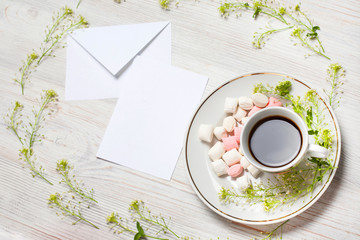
(204, 43)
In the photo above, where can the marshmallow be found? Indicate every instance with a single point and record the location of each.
(244, 120)
(219, 167)
(245, 103)
(254, 171)
(230, 105)
(260, 100)
(240, 113)
(230, 143)
(237, 133)
(235, 170)
(273, 102)
(231, 157)
(216, 152)
(220, 132)
(243, 182)
(254, 110)
(229, 123)
(244, 162)
(206, 132)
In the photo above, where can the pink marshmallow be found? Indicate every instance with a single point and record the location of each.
(273, 102)
(254, 110)
(237, 133)
(235, 170)
(230, 143)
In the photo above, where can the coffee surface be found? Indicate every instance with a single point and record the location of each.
(275, 141)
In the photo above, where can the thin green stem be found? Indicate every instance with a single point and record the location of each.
(310, 47)
(275, 14)
(333, 79)
(273, 231)
(35, 126)
(270, 32)
(51, 30)
(58, 38)
(13, 124)
(28, 63)
(317, 38)
(155, 222)
(78, 4)
(69, 183)
(74, 214)
(34, 170)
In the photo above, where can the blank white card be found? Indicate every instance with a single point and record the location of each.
(147, 129)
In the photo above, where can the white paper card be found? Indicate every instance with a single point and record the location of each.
(147, 128)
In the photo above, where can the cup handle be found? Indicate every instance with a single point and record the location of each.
(318, 151)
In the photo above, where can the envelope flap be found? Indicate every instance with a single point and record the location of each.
(115, 46)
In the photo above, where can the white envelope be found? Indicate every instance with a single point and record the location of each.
(99, 58)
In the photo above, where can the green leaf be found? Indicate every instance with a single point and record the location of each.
(313, 132)
(138, 236)
(140, 229)
(315, 160)
(315, 28)
(256, 12)
(309, 117)
(312, 34)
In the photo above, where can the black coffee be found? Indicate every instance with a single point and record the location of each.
(275, 141)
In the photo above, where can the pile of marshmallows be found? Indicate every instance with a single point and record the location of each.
(226, 154)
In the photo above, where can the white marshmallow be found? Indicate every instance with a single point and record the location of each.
(216, 152)
(260, 99)
(206, 132)
(231, 157)
(245, 103)
(219, 167)
(243, 182)
(230, 105)
(240, 113)
(229, 123)
(244, 120)
(244, 162)
(220, 132)
(254, 171)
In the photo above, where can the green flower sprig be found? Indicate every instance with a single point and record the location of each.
(141, 214)
(336, 74)
(271, 234)
(62, 22)
(64, 169)
(303, 28)
(68, 208)
(26, 70)
(298, 181)
(58, 19)
(47, 48)
(31, 130)
(120, 225)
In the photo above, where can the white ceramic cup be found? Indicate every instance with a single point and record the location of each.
(305, 148)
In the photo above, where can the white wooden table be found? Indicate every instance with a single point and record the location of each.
(204, 43)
